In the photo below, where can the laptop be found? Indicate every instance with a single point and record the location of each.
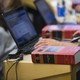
(45, 12)
(21, 29)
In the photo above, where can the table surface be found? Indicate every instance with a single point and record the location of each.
(36, 71)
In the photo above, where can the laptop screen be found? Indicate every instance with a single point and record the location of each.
(20, 26)
(45, 12)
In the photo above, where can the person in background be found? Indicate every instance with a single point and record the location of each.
(7, 44)
(53, 42)
(76, 7)
(10, 4)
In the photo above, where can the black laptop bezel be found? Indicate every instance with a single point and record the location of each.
(4, 14)
(42, 15)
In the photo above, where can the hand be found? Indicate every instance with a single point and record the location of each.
(77, 33)
(79, 40)
(52, 42)
(44, 42)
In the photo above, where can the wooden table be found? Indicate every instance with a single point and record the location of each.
(30, 71)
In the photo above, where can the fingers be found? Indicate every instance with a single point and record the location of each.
(44, 42)
(40, 43)
(79, 40)
(76, 33)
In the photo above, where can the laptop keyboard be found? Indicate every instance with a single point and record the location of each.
(30, 47)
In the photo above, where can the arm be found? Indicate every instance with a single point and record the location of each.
(53, 42)
(6, 44)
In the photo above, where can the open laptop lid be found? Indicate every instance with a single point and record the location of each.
(20, 26)
(45, 12)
